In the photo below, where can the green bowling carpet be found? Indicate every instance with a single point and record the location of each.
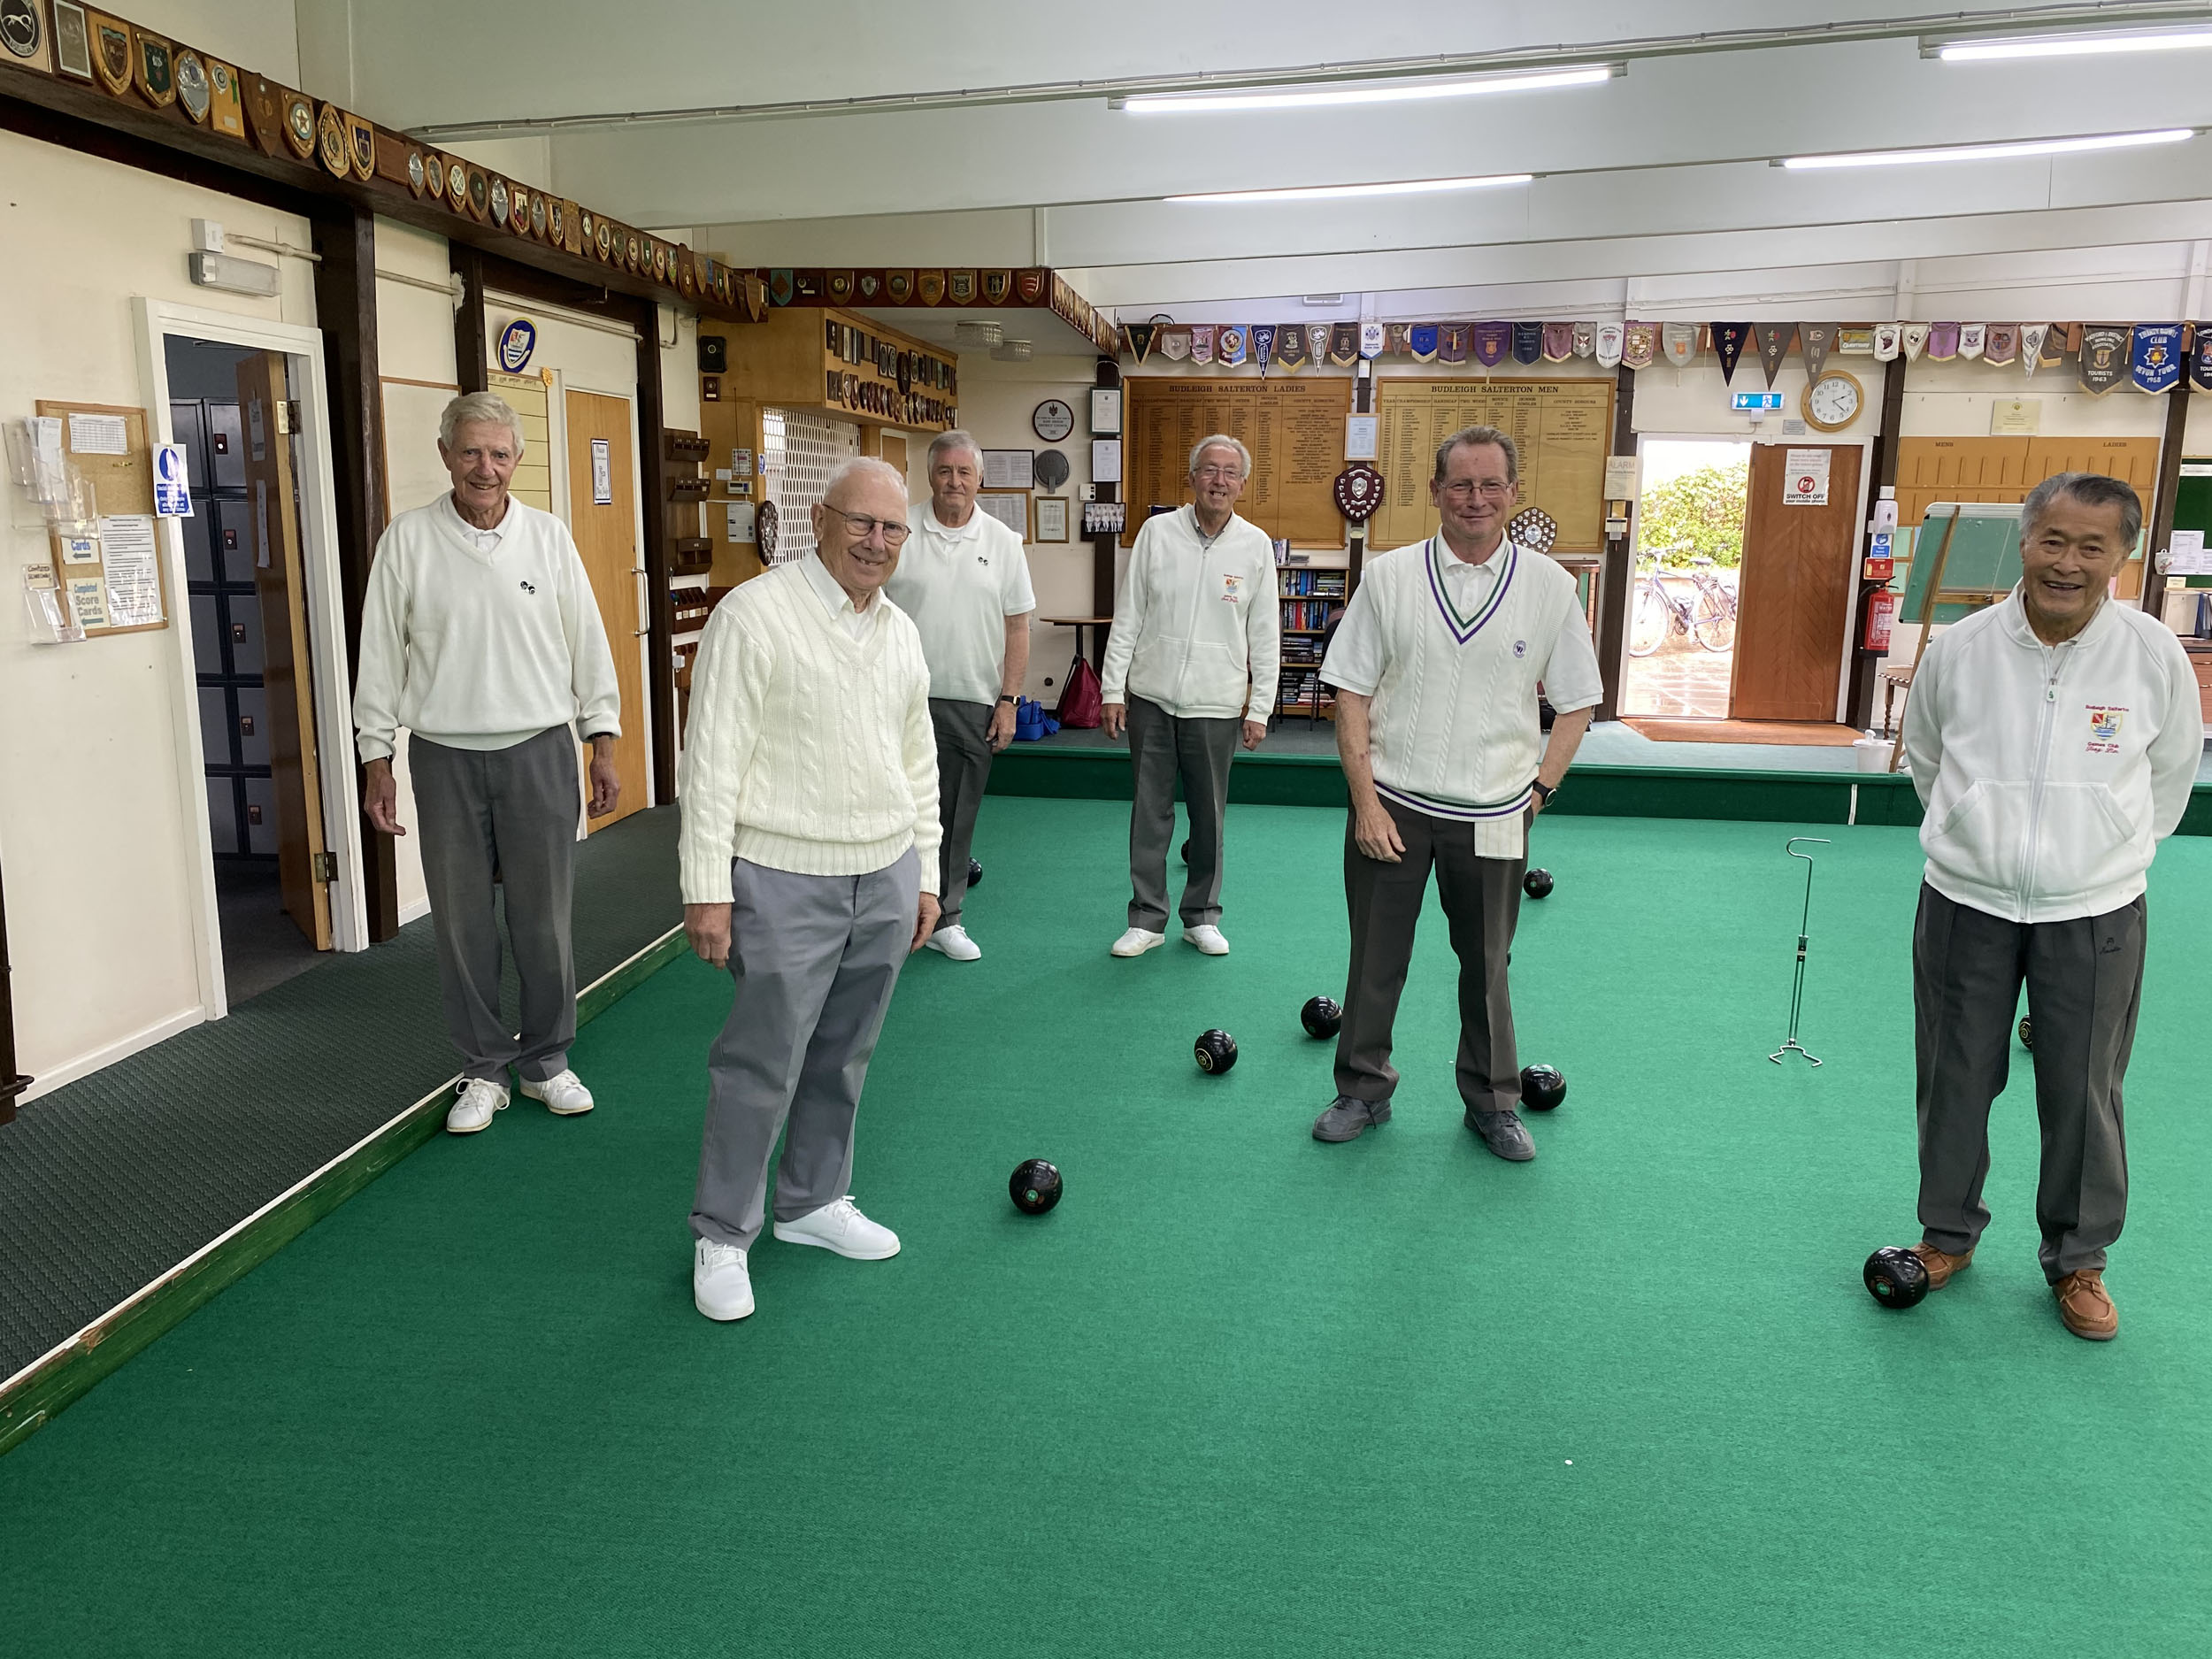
(1240, 1393)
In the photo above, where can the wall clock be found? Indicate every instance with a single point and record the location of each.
(1833, 402)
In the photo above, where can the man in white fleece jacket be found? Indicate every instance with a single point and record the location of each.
(808, 855)
(481, 636)
(2053, 740)
(1190, 668)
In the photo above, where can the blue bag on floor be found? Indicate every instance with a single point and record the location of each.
(1031, 722)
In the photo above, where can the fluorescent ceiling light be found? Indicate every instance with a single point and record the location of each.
(1378, 92)
(1331, 192)
(1993, 152)
(1989, 50)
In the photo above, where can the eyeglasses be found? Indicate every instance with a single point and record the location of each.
(1467, 488)
(1231, 473)
(895, 530)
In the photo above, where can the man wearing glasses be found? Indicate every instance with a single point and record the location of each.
(1436, 667)
(964, 580)
(1190, 667)
(809, 865)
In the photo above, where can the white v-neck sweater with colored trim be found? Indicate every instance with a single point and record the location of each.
(805, 749)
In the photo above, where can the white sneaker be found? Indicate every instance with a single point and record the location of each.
(473, 1106)
(953, 942)
(1137, 940)
(721, 1288)
(1208, 938)
(564, 1094)
(842, 1228)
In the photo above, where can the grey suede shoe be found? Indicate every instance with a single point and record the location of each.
(1504, 1134)
(1346, 1119)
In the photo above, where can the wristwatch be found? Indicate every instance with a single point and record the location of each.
(1007, 697)
(1544, 791)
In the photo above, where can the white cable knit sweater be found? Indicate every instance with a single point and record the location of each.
(806, 750)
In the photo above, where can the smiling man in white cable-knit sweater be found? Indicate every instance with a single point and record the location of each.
(809, 857)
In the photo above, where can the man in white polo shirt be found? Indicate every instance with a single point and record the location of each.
(963, 580)
(1190, 668)
(1436, 667)
(2055, 740)
(809, 862)
(481, 635)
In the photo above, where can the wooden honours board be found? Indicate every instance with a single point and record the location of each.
(1294, 429)
(1564, 430)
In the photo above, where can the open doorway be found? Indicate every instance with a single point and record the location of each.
(1690, 510)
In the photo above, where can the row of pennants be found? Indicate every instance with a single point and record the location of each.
(2149, 356)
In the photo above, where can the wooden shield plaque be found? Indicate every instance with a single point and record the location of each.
(299, 126)
(331, 142)
(153, 68)
(225, 108)
(361, 145)
(111, 53)
(571, 225)
(193, 93)
(393, 154)
(24, 39)
(263, 102)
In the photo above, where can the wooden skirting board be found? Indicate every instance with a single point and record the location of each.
(1805, 734)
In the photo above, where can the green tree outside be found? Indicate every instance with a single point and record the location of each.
(1697, 514)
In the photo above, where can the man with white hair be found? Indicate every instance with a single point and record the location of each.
(964, 582)
(1190, 667)
(2055, 740)
(481, 635)
(808, 865)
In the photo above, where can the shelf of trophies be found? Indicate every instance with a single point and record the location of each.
(842, 364)
(1311, 599)
(689, 550)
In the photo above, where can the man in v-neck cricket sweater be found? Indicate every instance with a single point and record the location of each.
(481, 636)
(1436, 667)
(808, 865)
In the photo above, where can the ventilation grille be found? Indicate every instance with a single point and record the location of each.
(798, 452)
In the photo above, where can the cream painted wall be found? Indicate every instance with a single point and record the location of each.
(262, 35)
(96, 849)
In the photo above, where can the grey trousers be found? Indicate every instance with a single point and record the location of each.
(1162, 749)
(964, 767)
(512, 811)
(2085, 980)
(1482, 904)
(815, 958)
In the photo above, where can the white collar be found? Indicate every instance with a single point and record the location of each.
(498, 531)
(837, 601)
(937, 527)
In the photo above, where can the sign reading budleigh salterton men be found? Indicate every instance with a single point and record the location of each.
(1562, 430)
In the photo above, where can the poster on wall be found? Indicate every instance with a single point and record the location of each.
(1009, 469)
(1009, 510)
(1805, 478)
(601, 473)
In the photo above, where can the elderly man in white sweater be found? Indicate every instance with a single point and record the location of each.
(1190, 668)
(2055, 739)
(481, 635)
(809, 857)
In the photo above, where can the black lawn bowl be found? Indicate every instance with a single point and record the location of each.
(1896, 1277)
(1536, 884)
(1216, 1051)
(1322, 1017)
(2027, 1036)
(1542, 1087)
(975, 873)
(1035, 1187)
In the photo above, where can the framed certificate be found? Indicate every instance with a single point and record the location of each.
(1105, 460)
(1106, 413)
(1052, 517)
(1009, 509)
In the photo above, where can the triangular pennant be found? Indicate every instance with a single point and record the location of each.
(1678, 340)
(1559, 342)
(1290, 346)
(2032, 338)
(1421, 342)
(1608, 345)
(2004, 344)
(2201, 361)
(1139, 337)
(1229, 346)
(1729, 340)
(1528, 341)
(1973, 340)
(1943, 341)
(1394, 340)
(2154, 361)
(1491, 342)
(1586, 339)
(1916, 341)
(1317, 343)
(1889, 339)
(1372, 336)
(1451, 341)
(1344, 344)
(1202, 342)
(1637, 343)
(1774, 345)
(2104, 358)
(1814, 339)
(1174, 344)
(1262, 345)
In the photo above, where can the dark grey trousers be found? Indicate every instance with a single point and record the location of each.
(2085, 980)
(815, 958)
(964, 767)
(1482, 904)
(1163, 749)
(514, 811)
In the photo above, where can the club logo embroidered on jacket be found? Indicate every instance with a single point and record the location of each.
(2104, 730)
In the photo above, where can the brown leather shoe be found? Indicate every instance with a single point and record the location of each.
(2085, 1308)
(1941, 1263)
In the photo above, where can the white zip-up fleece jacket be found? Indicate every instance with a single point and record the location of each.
(1197, 629)
(2051, 773)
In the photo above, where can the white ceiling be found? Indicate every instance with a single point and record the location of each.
(1654, 186)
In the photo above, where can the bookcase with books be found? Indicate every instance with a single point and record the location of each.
(1311, 600)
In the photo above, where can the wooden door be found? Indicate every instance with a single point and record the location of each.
(286, 666)
(603, 516)
(1795, 598)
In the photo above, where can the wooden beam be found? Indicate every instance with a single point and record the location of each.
(345, 310)
(2165, 495)
(660, 622)
(471, 347)
(1858, 702)
(1103, 547)
(1617, 575)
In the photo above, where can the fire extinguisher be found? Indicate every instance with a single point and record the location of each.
(1881, 613)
